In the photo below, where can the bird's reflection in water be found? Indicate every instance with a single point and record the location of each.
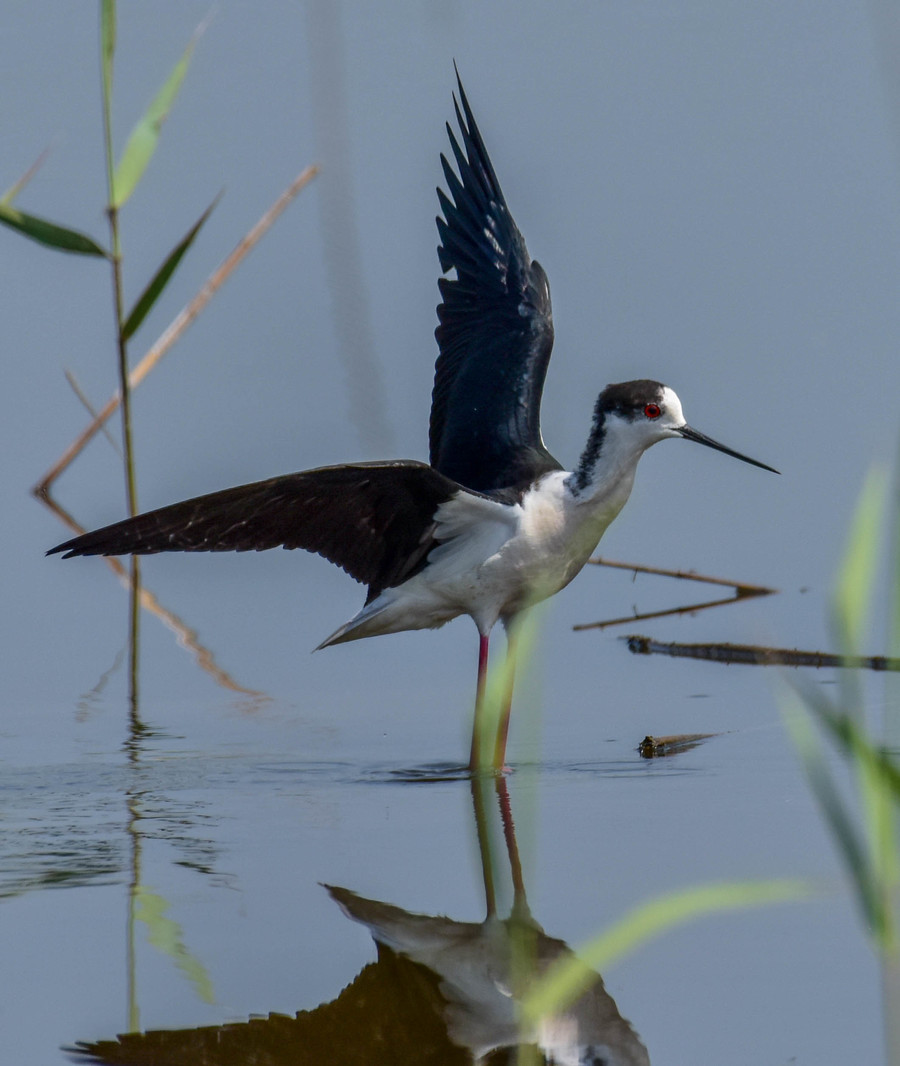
(440, 992)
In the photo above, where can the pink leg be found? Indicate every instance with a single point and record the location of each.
(503, 724)
(475, 753)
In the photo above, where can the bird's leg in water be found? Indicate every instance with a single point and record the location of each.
(477, 725)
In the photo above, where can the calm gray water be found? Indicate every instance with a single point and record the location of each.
(712, 189)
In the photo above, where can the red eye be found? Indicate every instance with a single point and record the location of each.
(652, 410)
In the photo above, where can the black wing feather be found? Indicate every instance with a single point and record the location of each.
(374, 520)
(496, 330)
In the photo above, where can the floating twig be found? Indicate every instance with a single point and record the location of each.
(741, 588)
(742, 591)
(759, 655)
(689, 608)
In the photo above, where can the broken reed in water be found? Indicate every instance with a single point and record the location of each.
(758, 655)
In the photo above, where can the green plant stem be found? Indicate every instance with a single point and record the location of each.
(112, 213)
(134, 613)
(107, 46)
(122, 345)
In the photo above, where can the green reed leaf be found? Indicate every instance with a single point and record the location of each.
(161, 278)
(856, 575)
(144, 137)
(850, 842)
(49, 233)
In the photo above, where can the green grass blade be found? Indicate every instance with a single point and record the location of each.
(878, 782)
(853, 741)
(848, 839)
(567, 979)
(144, 137)
(849, 735)
(165, 935)
(856, 576)
(49, 233)
(880, 823)
(499, 681)
(161, 278)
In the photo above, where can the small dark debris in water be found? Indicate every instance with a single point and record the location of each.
(758, 655)
(660, 747)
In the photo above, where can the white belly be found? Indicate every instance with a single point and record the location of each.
(494, 561)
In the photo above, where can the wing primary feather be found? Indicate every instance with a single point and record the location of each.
(495, 331)
(371, 519)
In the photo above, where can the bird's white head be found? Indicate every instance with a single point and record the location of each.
(628, 418)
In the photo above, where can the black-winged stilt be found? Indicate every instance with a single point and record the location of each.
(494, 523)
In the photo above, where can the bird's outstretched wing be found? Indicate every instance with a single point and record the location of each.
(495, 333)
(374, 520)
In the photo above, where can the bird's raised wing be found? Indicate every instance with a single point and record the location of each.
(495, 333)
(374, 520)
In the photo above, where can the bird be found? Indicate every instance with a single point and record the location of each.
(493, 523)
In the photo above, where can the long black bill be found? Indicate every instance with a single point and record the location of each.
(701, 438)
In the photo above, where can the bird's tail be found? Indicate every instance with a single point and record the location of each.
(367, 623)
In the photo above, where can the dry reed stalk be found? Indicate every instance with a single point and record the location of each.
(740, 588)
(176, 329)
(185, 636)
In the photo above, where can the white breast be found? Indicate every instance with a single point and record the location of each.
(499, 558)
(556, 534)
